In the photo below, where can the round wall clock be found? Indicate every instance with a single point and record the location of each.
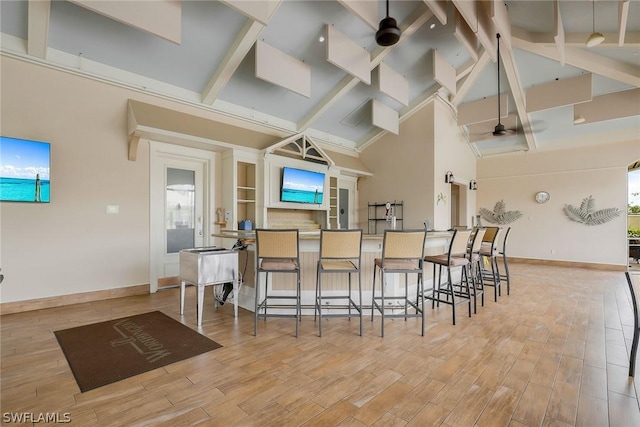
(542, 197)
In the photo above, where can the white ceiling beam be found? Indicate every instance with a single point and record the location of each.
(241, 45)
(465, 35)
(417, 20)
(586, 60)
(38, 32)
(500, 17)
(470, 80)
(477, 16)
(465, 69)
(623, 17)
(511, 71)
(243, 42)
(632, 39)
(439, 9)
(559, 36)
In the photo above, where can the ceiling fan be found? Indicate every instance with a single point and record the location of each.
(388, 32)
(500, 129)
(511, 125)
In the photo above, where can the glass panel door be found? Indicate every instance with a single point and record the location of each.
(180, 209)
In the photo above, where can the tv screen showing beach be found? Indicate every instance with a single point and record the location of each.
(24, 170)
(301, 186)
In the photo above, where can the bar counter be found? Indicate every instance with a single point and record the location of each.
(435, 243)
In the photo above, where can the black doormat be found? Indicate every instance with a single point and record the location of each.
(106, 352)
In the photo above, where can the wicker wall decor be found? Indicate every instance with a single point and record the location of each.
(588, 215)
(500, 215)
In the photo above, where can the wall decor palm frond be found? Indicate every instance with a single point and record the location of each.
(500, 214)
(587, 213)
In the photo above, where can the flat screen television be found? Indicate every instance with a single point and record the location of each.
(301, 186)
(24, 170)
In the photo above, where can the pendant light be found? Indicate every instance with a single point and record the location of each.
(388, 32)
(595, 38)
(499, 129)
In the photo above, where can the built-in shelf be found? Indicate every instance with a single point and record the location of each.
(245, 191)
(333, 219)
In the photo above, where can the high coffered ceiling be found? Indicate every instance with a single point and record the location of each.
(210, 60)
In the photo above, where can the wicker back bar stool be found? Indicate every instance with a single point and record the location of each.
(340, 253)
(402, 253)
(489, 251)
(277, 251)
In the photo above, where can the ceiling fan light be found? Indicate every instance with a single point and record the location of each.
(388, 33)
(595, 39)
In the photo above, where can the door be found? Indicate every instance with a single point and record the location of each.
(343, 204)
(179, 196)
(346, 199)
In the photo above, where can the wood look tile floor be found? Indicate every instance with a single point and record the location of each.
(553, 353)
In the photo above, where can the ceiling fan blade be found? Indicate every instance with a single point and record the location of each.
(485, 130)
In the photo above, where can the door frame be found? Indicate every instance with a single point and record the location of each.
(159, 152)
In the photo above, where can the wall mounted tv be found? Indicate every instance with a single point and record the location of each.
(24, 170)
(301, 186)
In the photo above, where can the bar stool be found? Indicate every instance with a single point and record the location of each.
(277, 251)
(503, 252)
(452, 293)
(340, 252)
(489, 251)
(402, 252)
(634, 286)
(475, 268)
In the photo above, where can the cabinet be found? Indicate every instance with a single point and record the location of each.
(334, 208)
(379, 216)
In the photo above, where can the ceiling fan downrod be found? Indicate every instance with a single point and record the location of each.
(499, 130)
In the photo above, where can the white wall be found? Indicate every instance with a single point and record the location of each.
(569, 176)
(411, 166)
(71, 245)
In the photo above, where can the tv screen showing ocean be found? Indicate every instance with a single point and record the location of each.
(23, 190)
(301, 196)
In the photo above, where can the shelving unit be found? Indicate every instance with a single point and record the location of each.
(333, 221)
(246, 191)
(377, 219)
